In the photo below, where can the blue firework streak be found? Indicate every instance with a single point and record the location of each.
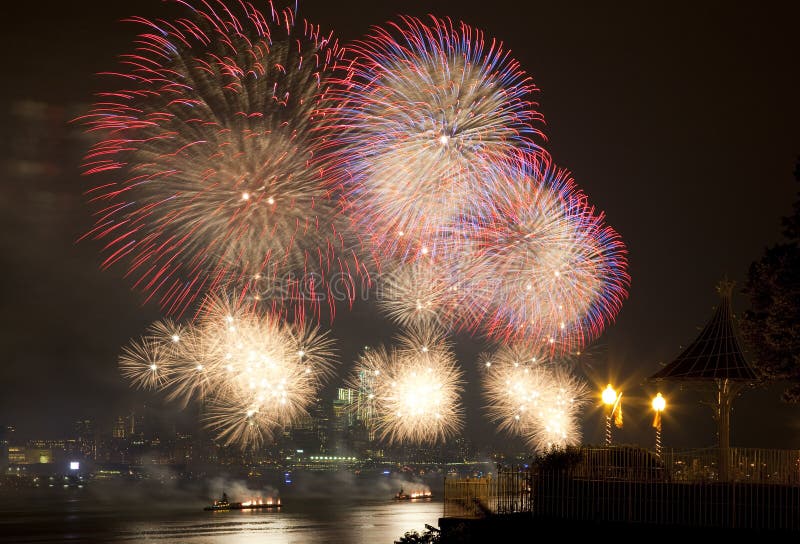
(541, 265)
(429, 112)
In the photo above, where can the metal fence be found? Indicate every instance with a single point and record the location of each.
(744, 465)
(759, 488)
(509, 491)
(703, 465)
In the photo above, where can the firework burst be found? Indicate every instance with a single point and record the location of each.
(541, 265)
(557, 425)
(415, 388)
(428, 113)
(147, 363)
(530, 398)
(253, 373)
(210, 156)
(418, 293)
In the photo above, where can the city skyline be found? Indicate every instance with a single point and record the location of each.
(336, 433)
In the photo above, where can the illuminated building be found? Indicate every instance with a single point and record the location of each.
(17, 455)
(311, 433)
(365, 405)
(343, 409)
(5, 438)
(85, 436)
(120, 428)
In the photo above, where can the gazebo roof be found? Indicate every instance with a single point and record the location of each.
(716, 353)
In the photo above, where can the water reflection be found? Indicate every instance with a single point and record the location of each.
(321, 520)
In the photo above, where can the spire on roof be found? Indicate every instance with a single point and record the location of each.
(716, 353)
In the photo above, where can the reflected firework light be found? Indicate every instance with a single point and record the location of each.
(210, 157)
(254, 373)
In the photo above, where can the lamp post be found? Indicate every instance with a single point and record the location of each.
(659, 403)
(611, 399)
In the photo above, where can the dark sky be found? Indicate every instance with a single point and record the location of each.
(678, 119)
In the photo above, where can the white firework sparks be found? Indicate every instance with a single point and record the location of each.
(254, 373)
(532, 399)
(419, 293)
(415, 388)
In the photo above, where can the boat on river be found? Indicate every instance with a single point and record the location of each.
(253, 504)
(413, 495)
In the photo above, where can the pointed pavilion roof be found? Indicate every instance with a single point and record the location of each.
(716, 353)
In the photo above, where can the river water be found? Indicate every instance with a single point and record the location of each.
(84, 515)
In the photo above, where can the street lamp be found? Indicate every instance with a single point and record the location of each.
(609, 395)
(659, 403)
(612, 401)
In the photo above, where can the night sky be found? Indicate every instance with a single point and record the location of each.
(679, 120)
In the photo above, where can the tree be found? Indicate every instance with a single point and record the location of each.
(429, 536)
(771, 326)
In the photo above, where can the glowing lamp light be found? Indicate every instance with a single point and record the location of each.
(74, 465)
(609, 395)
(659, 403)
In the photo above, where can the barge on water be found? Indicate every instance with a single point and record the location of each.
(414, 495)
(253, 504)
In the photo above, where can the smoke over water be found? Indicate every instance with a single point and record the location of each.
(240, 490)
(346, 485)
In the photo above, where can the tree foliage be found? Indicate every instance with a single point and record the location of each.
(429, 536)
(771, 326)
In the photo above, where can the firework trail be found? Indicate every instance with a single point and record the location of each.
(429, 111)
(529, 397)
(415, 387)
(541, 265)
(254, 373)
(210, 156)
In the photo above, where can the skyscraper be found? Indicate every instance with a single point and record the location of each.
(120, 428)
(5, 440)
(85, 438)
(344, 412)
(365, 402)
